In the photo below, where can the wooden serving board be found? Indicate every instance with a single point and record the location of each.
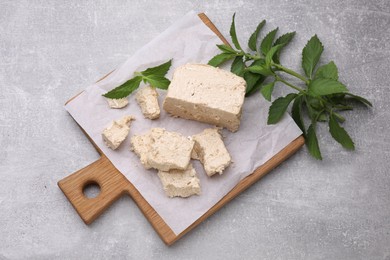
(114, 184)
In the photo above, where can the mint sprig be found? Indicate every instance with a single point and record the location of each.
(154, 76)
(319, 98)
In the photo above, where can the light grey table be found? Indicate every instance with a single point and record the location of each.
(338, 208)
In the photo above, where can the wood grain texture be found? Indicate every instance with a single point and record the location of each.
(114, 184)
(103, 173)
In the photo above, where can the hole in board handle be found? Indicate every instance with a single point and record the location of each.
(91, 190)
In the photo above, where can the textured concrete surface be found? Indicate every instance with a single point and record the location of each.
(338, 208)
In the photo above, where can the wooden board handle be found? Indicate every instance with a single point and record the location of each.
(111, 182)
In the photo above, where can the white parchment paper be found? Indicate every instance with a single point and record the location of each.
(187, 41)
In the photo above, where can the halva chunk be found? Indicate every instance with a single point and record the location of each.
(211, 151)
(147, 99)
(163, 150)
(117, 132)
(180, 183)
(117, 103)
(141, 145)
(207, 94)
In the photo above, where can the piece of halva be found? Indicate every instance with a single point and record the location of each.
(141, 145)
(117, 132)
(117, 103)
(169, 150)
(147, 99)
(211, 151)
(163, 150)
(180, 183)
(207, 94)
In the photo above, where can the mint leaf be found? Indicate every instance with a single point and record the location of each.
(226, 48)
(256, 86)
(125, 89)
(270, 55)
(296, 113)
(284, 39)
(315, 103)
(267, 89)
(312, 142)
(253, 39)
(312, 112)
(233, 34)
(322, 117)
(260, 69)
(321, 87)
(315, 109)
(311, 55)
(266, 43)
(339, 134)
(327, 71)
(359, 99)
(157, 81)
(221, 58)
(337, 99)
(251, 78)
(158, 70)
(154, 76)
(279, 107)
(238, 66)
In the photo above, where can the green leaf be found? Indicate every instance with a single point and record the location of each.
(313, 114)
(257, 62)
(267, 89)
(270, 55)
(267, 42)
(315, 103)
(296, 113)
(125, 89)
(279, 107)
(256, 86)
(260, 69)
(221, 58)
(359, 99)
(314, 108)
(311, 55)
(233, 34)
(253, 39)
(322, 117)
(284, 39)
(312, 142)
(254, 81)
(226, 48)
(252, 78)
(339, 134)
(321, 87)
(157, 81)
(327, 71)
(238, 66)
(161, 69)
(337, 99)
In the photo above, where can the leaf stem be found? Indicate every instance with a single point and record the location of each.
(277, 78)
(291, 72)
(337, 115)
(252, 57)
(343, 107)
